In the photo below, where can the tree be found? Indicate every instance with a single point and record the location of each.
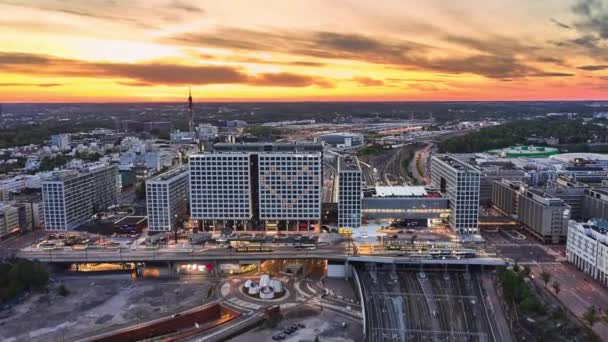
(140, 190)
(526, 271)
(545, 276)
(556, 287)
(62, 290)
(591, 316)
(316, 338)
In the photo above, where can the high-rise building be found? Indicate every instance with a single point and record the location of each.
(61, 141)
(459, 182)
(544, 216)
(220, 187)
(350, 180)
(70, 198)
(167, 198)
(275, 185)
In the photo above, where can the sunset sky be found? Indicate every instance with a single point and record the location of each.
(319, 50)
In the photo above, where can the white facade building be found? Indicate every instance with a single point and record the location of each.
(587, 248)
(350, 181)
(290, 186)
(167, 198)
(220, 186)
(460, 183)
(277, 185)
(70, 198)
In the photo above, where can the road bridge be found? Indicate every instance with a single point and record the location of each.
(121, 255)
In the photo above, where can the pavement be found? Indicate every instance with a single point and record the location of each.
(578, 291)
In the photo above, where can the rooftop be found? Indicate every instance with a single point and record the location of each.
(348, 163)
(268, 147)
(457, 163)
(400, 191)
(170, 174)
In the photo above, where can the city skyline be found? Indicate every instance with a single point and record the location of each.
(106, 51)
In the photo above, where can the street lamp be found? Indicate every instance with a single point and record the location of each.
(175, 229)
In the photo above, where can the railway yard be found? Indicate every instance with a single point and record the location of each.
(407, 305)
(391, 166)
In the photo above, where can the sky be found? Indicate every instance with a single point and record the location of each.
(310, 50)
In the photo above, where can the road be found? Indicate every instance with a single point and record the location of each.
(424, 156)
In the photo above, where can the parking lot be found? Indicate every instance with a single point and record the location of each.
(325, 324)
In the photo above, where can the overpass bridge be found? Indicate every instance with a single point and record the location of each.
(338, 255)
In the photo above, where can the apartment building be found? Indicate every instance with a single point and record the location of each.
(250, 186)
(167, 198)
(350, 180)
(459, 182)
(70, 198)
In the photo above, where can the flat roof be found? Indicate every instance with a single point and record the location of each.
(268, 147)
(456, 163)
(400, 191)
(348, 163)
(170, 174)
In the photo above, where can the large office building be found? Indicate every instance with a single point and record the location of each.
(350, 180)
(505, 196)
(9, 219)
(246, 186)
(587, 248)
(544, 215)
(458, 181)
(167, 198)
(595, 203)
(70, 198)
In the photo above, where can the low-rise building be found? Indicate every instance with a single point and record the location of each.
(544, 216)
(587, 248)
(9, 219)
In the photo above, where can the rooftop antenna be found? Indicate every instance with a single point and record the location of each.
(191, 123)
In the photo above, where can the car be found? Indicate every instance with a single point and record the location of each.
(175, 315)
(294, 327)
(281, 336)
(288, 331)
(301, 325)
(278, 337)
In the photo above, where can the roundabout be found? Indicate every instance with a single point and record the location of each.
(266, 289)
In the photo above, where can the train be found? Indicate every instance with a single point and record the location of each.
(435, 253)
(453, 253)
(253, 249)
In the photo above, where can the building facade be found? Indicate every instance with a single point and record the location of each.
(458, 181)
(9, 219)
(245, 186)
(544, 216)
(220, 187)
(505, 196)
(350, 180)
(595, 204)
(71, 198)
(587, 248)
(167, 199)
(61, 141)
